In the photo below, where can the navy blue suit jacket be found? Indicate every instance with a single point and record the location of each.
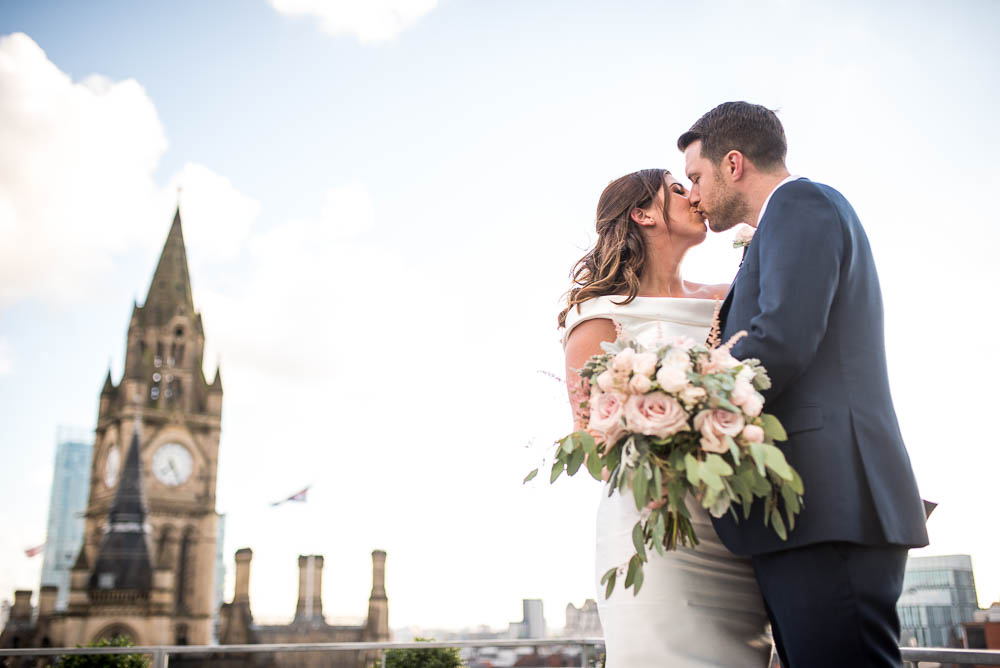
(808, 296)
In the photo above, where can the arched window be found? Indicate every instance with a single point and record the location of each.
(181, 634)
(185, 568)
(165, 547)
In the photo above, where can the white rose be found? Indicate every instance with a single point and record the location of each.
(677, 357)
(622, 362)
(606, 380)
(692, 394)
(640, 384)
(644, 364)
(671, 378)
(742, 392)
(754, 405)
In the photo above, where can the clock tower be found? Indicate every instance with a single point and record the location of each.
(165, 409)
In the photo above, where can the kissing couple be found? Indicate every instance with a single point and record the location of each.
(808, 297)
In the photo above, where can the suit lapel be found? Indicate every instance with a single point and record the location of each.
(724, 311)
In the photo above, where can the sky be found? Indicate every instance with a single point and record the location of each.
(381, 204)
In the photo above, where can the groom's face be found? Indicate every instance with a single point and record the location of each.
(711, 194)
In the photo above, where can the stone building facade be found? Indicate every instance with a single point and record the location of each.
(146, 567)
(236, 625)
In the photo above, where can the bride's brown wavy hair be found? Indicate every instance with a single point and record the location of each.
(614, 265)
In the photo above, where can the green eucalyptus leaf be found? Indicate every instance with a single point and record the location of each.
(778, 524)
(557, 469)
(772, 428)
(759, 458)
(575, 461)
(639, 540)
(640, 487)
(693, 468)
(530, 475)
(775, 460)
(609, 579)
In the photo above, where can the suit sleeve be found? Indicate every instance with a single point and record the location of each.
(801, 252)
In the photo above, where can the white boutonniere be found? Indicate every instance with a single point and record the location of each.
(744, 234)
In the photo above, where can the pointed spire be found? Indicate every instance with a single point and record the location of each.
(109, 386)
(123, 558)
(217, 383)
(170, 290)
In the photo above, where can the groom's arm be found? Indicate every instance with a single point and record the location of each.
(801, 250)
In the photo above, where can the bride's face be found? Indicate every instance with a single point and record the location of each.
(677, 215)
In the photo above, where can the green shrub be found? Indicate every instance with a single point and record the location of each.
(105, 660)
(432, 657)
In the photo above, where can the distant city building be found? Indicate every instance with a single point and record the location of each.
(984, 631)
(67, 504)
(533, 623)
(583, 622)
(220, 572)
(939, 595)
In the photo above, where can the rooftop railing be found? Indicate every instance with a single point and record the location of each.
(587, 648)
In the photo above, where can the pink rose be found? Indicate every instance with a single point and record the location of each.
(754, 405)
(714, 426)
(644, 364)
(684, 343)
(640, 384)
(753, 434)
(606, 412)
(655, 414)
(671, 378)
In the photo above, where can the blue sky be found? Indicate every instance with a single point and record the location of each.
(355, 207)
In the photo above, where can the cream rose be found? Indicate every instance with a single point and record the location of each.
(655, 414)
(692, 394)
(671, 378)
(677, 357)
(722, 359)
(622, 362)
(640, 384)
(606, 380)
(754, 405)
(753, 434)
(714, 426)
(684, 343)
(606, 411)
(742, 392)
(644, 364)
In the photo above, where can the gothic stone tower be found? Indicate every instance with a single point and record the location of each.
(177, 413)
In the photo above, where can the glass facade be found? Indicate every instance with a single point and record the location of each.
(67, 504)
(939, 594)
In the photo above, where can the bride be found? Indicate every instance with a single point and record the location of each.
(697, 607)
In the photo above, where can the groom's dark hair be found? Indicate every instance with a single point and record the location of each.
(751, 129)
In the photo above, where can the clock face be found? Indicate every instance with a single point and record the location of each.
(112, 465)
(172, 464)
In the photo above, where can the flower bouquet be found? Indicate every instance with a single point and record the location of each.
(673, 419)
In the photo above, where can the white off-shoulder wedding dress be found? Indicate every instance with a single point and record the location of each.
(697, 607)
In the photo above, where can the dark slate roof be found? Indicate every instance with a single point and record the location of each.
(123, 558)
(170, 290)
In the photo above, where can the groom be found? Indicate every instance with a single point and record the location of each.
(808, 297)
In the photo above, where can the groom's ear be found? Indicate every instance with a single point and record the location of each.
(732, 165)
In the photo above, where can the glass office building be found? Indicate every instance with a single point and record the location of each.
(939, 594)
(67, 504)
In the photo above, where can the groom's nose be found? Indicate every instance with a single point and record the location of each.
(695, 196)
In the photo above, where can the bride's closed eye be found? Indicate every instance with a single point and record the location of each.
(678, 189)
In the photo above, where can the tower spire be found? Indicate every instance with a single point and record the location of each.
(170, 290)
(123, 558)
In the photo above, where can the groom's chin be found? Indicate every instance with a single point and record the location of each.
(721, 225)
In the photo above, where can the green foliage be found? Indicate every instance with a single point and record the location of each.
(434, 657)
(105, 660)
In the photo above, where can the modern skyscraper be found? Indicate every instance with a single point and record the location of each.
(939, 594)
(67, 504)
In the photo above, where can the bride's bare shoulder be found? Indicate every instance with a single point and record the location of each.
(707, 291)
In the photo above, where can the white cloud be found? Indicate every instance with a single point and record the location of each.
(76, 181)
(6, 363)
(371, 21)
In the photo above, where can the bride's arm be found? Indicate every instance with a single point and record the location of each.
(583, 343)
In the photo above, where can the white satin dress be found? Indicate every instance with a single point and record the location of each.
(696, 608)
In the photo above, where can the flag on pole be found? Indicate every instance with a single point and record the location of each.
(298, 497)
(34, 551)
